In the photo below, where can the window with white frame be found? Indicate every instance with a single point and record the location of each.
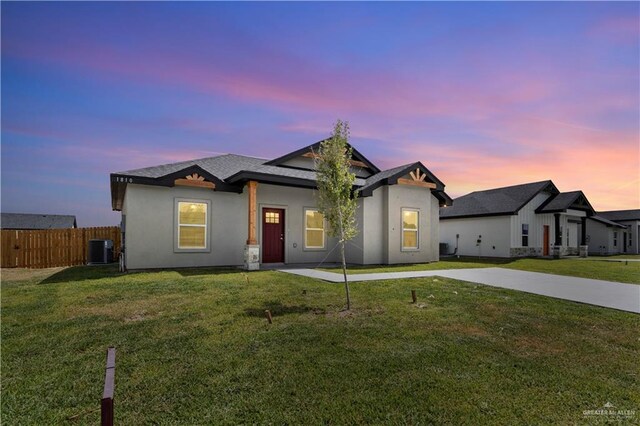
(192, 225)
(313, 229)
(410, 229)
(615, 238)
(525, 235)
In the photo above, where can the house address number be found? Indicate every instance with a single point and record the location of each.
(123, 179)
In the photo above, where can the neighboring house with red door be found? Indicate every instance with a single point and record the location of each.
(614, 232)
(238, 210)
(527, 220)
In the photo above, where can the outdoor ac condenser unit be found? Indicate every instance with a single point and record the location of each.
(100, 252)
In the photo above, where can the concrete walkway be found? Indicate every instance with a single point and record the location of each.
(608, 294)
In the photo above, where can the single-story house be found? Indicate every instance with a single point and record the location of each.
(605, 236)
(29, 221)
(524, 220)
(241, 210)
(615, 232)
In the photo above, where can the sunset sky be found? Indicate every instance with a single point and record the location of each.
(484, 94)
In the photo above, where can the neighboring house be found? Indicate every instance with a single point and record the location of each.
(240, 210)
(517, 221)
(28, 221)
(605, 236)
(622, 237)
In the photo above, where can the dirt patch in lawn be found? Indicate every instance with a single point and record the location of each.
(26, 274)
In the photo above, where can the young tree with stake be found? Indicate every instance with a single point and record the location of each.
(336, 197)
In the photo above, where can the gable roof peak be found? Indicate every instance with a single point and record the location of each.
(314, 147)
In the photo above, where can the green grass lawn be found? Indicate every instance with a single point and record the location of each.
(193, 347)
(586, 268)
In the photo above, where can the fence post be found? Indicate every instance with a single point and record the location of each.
(106, 407)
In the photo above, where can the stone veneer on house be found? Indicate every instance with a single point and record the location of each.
(525, 252)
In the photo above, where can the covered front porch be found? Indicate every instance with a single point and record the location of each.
(570, 212)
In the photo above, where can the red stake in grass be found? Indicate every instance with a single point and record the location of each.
(267, 313)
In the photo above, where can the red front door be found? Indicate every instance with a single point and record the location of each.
(272, 236)
(545, 241)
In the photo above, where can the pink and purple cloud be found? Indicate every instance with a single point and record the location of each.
(484, 94)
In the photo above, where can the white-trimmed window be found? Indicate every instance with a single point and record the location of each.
(525, 235)
(410, 229)
(615, 238)
(313, 229)
(192, 224)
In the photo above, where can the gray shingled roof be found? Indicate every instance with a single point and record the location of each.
(561, 201)
(221, 166)
(372, 180)
(225, 166)
(232, 170)
(494, 202)
(36, 221)
(617, 215)
(606, 221)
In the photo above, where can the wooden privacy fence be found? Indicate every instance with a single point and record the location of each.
(53, 247)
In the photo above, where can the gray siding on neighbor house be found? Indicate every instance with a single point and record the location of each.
(502, 235)
(493, 231)
(633, 228)
(601, 239)
(633, 232)
(527, 215)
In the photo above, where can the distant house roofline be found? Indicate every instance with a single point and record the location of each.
(36, 221)
(503, 201)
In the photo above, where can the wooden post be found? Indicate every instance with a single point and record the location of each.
(267, 313)
(414, 297)
(106, 407)
(252, 240)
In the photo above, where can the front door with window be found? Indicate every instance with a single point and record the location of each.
(272, 235)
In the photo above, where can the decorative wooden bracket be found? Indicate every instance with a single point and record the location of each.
(417, 179)
(195, 177)
(417, 176)
(194, 180)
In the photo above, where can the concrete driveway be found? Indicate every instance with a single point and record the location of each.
(608, 294)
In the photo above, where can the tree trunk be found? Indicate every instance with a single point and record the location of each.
(344, 264)
(344, 272)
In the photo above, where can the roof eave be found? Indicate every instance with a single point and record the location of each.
(466, 216)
